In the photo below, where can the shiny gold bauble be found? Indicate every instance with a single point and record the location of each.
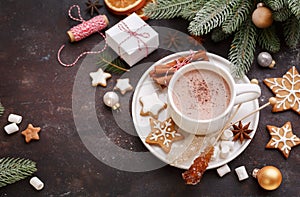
(262, 17)
(269, 177)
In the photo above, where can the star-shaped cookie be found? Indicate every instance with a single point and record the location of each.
(163, 134)
(282, 138)
(287, 91)
(151, 105)
(31, 133)
(99, 77)
(123, 85)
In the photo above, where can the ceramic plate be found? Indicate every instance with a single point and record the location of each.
(185, 151)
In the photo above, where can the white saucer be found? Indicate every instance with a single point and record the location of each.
(185, 151)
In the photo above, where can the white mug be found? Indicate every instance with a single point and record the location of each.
(239, 93)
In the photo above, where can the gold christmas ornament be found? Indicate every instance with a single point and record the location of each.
(262, 16)
(269, 177)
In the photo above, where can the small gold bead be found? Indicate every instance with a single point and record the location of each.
(254, 81)
(272, 65)
(272, 100)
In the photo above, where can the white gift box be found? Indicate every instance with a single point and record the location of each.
(132, 39)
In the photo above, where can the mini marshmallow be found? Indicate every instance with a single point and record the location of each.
(241, 173)
(225, 150)
(226, 135)
(36, 183)
(11, 128)
(223, 170)
(230, 144)
(216, 154)
(15, 118)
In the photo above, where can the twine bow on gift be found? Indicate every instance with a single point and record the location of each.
(138, 36)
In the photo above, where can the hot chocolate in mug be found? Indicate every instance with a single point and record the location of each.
(202, 95)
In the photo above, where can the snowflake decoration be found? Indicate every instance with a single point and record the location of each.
(163, 134)
(282, 138)
(287, 90)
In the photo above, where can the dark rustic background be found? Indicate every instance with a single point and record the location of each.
(33, 84)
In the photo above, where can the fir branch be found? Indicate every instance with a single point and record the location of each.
(268, 39)
(212, 15)
(282, 14)
(294, 6)
(189, 12)
(218, 35)
(15, 169)
(110, 64)
(242, 49)
(291, 31)
(1, 109)
(275, 4)
(165, 8)
(237, 16)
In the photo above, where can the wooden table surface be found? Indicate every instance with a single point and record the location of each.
(34, 85)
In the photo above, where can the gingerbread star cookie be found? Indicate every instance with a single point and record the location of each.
(151, 105)
(163, 134)
(123, 85)
(287, 90)
(99, 77)
(31, 133)
(282, 138)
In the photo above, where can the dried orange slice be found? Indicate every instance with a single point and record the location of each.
(140, 12)
(124, 7)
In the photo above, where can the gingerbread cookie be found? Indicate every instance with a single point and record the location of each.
(123, 85)
(31, 133)
(151, 105)
(99, 77)
(287, 90)
(163, 134)
(282, 138)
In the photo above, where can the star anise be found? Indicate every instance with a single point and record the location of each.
(241, 132)
(92, 6)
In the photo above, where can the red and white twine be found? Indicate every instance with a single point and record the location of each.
(82, 31)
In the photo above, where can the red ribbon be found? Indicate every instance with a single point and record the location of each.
(187, 60)
(124, 27)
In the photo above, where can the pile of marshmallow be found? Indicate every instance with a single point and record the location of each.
(225, 145)
(14, 119)
(241, 172)
(222, 150)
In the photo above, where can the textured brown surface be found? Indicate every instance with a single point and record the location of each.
(33, 84)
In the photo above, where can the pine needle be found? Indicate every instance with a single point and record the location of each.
(294, 6)
(275, 4)
(212, 15)
(1, 109)
(238, 14)
(282, 14)
(268, 39)
(241, 53)
(15, 169)
(165, 8)
(218, 35)
(110, 64)
(292, 31)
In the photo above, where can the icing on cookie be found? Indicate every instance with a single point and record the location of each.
(99, 77)
(287, 90)
(163, 134)
(151, 105)
(123, 85)
(282, 138)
